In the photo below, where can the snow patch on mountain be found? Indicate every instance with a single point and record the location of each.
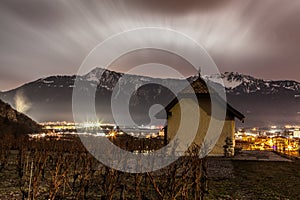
(231, 84)
(48, 82)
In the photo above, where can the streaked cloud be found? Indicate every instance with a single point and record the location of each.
(40, 37)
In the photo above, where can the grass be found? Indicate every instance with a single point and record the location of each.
(258, 180)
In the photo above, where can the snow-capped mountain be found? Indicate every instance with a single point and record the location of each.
(237, 83)
(262, 101)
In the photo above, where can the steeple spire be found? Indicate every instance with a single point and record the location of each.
(199, 72)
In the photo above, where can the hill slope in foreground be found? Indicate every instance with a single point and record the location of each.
(14, 122)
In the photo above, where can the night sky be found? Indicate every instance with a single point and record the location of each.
(39, 38)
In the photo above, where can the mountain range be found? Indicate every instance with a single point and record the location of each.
(263, 102)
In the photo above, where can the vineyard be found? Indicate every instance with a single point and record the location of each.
(63, 169)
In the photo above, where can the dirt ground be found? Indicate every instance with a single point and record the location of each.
(249, 178)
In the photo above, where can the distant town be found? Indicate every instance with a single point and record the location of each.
(281, 139)
(60, 129)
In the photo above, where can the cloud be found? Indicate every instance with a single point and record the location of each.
(37, 12)
(42, 37)
(171, 7)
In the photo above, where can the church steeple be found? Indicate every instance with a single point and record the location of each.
(199, 72)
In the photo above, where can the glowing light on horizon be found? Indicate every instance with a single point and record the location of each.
(21, 104)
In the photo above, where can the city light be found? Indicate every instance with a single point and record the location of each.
(283, 139)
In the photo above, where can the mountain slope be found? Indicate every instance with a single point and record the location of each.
(13, 122)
